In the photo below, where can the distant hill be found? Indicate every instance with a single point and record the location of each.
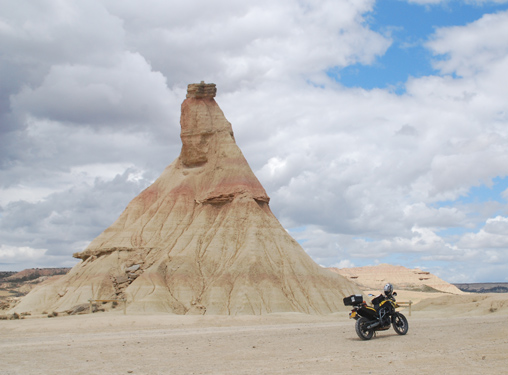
(4, 274)
(375, 277)
(35, 273)
(14, 285)
(483, 287)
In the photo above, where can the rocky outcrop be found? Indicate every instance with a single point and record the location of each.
(200, 240)
(14, 285)
(34, 273)
(375, 277)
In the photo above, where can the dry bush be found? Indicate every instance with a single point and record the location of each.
(14, 316)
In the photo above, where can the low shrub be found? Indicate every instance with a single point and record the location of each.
(14, 316)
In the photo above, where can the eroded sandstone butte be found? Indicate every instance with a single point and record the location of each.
(200, 240)
(375, 277)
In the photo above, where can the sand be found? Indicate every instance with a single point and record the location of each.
(294, 343)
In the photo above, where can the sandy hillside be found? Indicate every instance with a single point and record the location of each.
(201, 239)
(470, 304)
(407, 295)
(294, 343)
(15, 285)
(375, 277)
(440, 304)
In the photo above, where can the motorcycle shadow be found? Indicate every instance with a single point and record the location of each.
(376, 337)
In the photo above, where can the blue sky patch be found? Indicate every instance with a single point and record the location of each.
(410, 26)
(482, 194)
(477, 195)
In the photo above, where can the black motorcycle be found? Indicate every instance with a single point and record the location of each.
(378, 318)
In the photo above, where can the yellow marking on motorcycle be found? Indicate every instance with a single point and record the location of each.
(352, 314)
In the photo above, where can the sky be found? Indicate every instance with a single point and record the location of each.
(378, 128)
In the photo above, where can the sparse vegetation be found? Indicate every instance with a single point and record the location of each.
(5, 274)
(14, 285)
(35, 273)
(483, 287)
(14, 316)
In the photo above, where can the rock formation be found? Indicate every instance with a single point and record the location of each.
(14, 285)
(375, 277)
(201, 239)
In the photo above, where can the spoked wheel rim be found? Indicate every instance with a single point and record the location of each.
(361, 330)
(400, 324)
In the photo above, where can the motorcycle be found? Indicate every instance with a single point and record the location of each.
(378, 318)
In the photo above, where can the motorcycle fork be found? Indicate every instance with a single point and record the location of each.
(382, 314)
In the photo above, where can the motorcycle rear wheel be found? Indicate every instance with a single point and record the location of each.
(361, 330)
(400, 324)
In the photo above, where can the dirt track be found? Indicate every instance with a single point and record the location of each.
(285, 344)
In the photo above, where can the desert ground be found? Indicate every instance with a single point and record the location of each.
(474, 340)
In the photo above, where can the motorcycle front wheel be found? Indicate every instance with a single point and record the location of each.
(400, 324)
(361, 331)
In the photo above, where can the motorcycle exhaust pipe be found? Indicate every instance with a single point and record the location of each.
(374, 325)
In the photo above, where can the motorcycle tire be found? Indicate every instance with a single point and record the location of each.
(400, 324)
(362, 333)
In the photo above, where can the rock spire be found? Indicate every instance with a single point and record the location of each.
(200, 240)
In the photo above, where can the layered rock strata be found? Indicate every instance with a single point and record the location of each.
(200, 240)
(375, 277)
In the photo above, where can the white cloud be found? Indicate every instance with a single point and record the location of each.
(27, 253)
(93, 110)
(250, 43)
(427, 2)
(473, 48)
(434, 217)
(49, 31)
(124, 94)
(13, 257)
(494, 235)
(444, 2)
(346, 263)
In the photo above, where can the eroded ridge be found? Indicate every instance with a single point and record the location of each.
(200, 240)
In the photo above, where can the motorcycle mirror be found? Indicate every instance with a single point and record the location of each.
(394, 293)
